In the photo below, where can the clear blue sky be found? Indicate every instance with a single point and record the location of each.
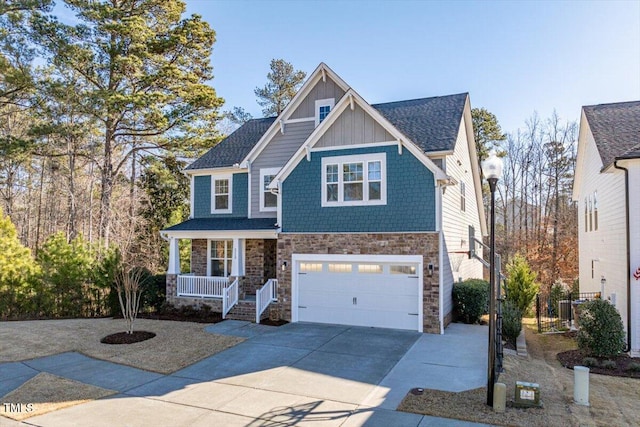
(513, 57)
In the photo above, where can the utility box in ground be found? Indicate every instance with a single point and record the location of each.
(527, 394)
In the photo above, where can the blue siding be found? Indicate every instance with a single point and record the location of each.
(202, 197)
(411, 204)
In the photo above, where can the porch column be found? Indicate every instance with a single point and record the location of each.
(174, 256)
(237, 260)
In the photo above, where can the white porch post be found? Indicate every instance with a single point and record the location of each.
(174, 256)
(237, 260)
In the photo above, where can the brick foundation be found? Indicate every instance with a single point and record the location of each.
(425, 244)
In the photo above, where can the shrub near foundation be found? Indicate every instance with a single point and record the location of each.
(601, 331)
(470, 299)
(511, 322)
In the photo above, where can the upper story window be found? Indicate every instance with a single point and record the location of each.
(354, 180)
(221, 194)
(463, 197)
(590, 214)
(595, 210)
(586, 215)
(268, 200)
(323, 108)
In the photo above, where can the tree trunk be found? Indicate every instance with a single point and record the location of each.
(107, 188)
(71, 201)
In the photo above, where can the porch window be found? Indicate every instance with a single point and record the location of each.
(268, 200)
(221, 194)
(220, 254)
(354, 180)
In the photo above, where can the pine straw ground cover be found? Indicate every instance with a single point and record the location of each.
(614, 400)
(175, 346)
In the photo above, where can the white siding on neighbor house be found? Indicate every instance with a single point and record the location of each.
(353, 127)
(275, 155)
(455, 222)
(606, 247)
(634, 235)
(322, 90)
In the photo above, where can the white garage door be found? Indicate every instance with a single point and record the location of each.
(360, 293)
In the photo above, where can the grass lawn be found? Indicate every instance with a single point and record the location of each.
(614, 400)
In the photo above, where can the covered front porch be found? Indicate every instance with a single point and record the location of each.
(230, 271)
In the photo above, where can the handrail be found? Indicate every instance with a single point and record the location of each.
(200, 286)
(229, 298)
(265, 296)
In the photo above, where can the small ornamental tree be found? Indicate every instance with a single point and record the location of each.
(521, 286)
(601, 332)
(511, 322)
(129, 288)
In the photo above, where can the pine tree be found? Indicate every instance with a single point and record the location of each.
(282, 85)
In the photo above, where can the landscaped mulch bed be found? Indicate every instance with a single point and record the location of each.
(198, 317)
(126, 338)
(625, 366)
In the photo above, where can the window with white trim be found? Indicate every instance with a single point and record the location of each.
(220, 194)
(590, 214)
(268, 200)
(354, 180)
(586, 215)
(463, 196)
(595, 211)
(220, 255)
(323, 108)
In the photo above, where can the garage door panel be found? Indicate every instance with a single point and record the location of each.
(359, 299)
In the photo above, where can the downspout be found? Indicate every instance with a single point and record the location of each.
(626, 202)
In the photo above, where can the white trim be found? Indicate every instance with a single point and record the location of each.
(249, 171)
(327, 102)
(192, 198)
(227, 255)
(333, 116)
(301, 120)
(352, 146)
(211, 171)
(412, 259)
(222, 234)
(304, 91)
(475, 166)
(439, 195)
(365, 159)
(221, 177)
(264, 172)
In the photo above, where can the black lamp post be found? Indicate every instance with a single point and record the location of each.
(492, 171)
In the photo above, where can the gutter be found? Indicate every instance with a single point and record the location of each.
(626, 200)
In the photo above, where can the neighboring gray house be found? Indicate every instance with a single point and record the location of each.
(336, 211)
(607, 189)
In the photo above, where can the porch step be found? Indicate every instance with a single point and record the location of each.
(246, 310)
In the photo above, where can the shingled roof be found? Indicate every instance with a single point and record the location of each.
(431, 123)
(615, 129)
(234, 148)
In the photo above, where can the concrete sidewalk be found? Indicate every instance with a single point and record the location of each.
(295, 374)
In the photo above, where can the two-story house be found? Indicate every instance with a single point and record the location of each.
(336, 211)
(607, 189)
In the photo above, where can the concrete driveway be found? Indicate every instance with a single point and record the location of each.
(297, 374)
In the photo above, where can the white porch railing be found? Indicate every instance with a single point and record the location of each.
(229, 298)
(201, 286)
(265, 296)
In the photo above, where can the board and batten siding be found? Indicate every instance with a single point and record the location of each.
(202, 197)
(277, 152)
(410, 197)
(607, 245)
(353, 127)
(322, 90)
(456, 222)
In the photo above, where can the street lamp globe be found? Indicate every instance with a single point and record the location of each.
(492, 166)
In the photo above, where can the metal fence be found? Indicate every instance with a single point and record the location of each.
(556, 312)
